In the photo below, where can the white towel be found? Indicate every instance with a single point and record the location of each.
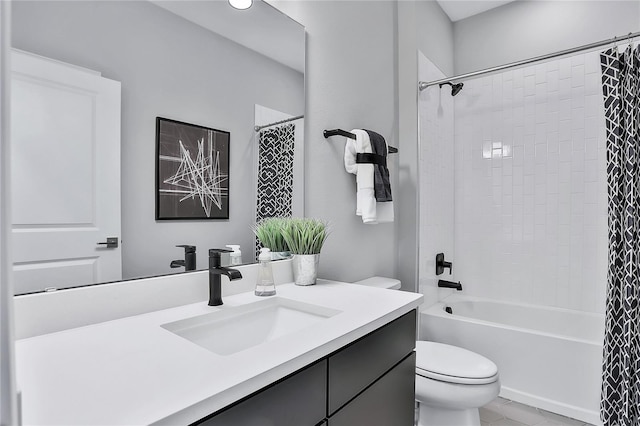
(366, 205)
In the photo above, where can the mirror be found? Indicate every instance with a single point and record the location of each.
(195, 62)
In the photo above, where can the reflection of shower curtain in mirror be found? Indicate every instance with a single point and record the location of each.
(275, 172)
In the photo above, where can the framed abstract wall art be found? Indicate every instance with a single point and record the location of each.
(192, 171)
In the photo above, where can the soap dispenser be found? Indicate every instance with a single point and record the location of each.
(265, 285)
(235, 256)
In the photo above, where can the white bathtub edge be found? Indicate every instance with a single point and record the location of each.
(437, 309)
(457, 297)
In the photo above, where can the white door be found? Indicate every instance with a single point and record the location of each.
(65, 177)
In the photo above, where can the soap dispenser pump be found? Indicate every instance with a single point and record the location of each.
(265, 285)
(235, 257)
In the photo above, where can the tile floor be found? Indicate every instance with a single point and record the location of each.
(503, 412)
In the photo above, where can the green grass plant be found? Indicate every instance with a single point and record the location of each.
(304, 235)
(269, 232)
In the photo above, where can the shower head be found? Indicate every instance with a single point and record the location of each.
(455, 87)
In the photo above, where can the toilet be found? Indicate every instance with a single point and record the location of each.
(451, 382)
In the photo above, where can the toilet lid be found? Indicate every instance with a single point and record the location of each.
(453, 364)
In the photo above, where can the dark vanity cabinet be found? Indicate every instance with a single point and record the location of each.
(387, 402)
(372, 381)
(297, 400)
(368, 382)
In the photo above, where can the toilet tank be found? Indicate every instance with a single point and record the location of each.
(380, 282)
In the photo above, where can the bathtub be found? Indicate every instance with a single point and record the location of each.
(547, 357)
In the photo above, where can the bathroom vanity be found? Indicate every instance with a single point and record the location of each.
(334, 354)
(369, 382)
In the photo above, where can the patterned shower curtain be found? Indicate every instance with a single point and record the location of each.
(275, 173)
(620, 403)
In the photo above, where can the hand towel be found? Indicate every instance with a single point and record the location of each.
(365, 197)
(366, 205)
(381, 184)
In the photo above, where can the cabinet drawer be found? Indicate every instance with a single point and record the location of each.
(377, 406)
(358, 365)
(297, 400)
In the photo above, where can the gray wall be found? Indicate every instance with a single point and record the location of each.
(407, 115)
(435, 34)
(524, 29)
(171, 68)
(362, 72)
(351, 83)
(422, 25)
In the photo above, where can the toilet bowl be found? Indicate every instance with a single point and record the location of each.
(452, 383)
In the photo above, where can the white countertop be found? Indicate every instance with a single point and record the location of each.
(131, 371)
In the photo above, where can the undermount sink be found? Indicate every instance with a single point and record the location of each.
(233, 329)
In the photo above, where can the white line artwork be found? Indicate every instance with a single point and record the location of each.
(200, 178)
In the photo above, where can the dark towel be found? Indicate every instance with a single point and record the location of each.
(381, 184)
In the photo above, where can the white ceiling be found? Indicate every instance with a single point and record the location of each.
(460, 9)
(262, 27)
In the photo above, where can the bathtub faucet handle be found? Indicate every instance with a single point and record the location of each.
(441, 264)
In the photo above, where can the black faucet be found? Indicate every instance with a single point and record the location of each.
(189, 261)
(215, 270)
(441, 264)
(450, 284)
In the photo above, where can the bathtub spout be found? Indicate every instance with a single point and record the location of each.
(450, 284)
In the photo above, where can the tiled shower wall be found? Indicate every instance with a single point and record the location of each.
(436, 165)
(530, 185)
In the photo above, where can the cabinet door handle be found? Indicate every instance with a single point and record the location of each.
(112, 242)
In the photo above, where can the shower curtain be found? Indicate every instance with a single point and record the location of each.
(620, 401)
(275, 173)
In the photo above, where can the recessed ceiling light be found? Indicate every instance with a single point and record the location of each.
(241, 4)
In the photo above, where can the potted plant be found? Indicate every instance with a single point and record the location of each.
(269, 232)
(305, 237)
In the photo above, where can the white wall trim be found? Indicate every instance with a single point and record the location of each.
(8, 399)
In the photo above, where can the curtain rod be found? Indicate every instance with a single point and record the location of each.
(258, 128)
(423, 85)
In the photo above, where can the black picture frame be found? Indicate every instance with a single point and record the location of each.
(192, 171)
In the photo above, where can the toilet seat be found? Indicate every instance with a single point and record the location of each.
(454, 379)
(452, 364)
